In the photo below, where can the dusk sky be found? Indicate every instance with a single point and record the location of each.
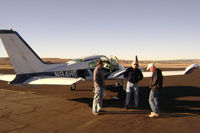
(151, 29)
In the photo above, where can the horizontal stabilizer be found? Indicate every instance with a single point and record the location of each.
(7, 77)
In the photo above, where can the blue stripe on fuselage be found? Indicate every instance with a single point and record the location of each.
(20, 78)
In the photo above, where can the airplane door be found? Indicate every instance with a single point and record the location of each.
(114, 63)
(82, 73)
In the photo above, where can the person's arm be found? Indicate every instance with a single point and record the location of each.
(141, 76)
(96, 78)
(154, 81)
(103, 81)
(126, 74)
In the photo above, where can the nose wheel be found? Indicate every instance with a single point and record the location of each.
(72, 87)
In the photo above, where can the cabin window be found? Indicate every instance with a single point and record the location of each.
(92, 64)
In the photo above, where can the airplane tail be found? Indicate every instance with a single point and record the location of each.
(22, 57)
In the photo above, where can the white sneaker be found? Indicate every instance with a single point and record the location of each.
(153, 115)
(95, 113)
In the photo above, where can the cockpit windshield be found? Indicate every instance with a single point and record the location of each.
(105, 59)
(75, 60)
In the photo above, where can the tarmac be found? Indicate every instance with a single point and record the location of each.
(56, 109)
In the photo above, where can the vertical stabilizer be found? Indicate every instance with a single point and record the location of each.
(22, 57)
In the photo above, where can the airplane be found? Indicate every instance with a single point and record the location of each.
(32, 71)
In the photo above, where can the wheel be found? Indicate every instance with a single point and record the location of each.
(117, 84)
(72, 87)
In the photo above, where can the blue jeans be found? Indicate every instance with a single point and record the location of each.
(153, 101)
(132, 87)
(98, 99)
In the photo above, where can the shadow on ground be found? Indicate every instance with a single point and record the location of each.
(173, 99)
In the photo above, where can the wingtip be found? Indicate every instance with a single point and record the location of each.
(191, 68)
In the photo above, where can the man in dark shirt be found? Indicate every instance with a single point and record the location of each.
(99, 85)
(155, 86)
(133, 76)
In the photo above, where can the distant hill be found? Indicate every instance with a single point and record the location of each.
(6, 61)
(161, 61)
(55, 60)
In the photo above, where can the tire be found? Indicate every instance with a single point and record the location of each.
(72, 87)
(117, 84)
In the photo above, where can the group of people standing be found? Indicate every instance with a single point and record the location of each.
(133, 75)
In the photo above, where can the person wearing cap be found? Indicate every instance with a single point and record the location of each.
(133, 76)
(99, 87)
(155, 86)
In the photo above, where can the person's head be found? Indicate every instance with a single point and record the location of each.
(100, 63)
(134, 65)
(151, 67)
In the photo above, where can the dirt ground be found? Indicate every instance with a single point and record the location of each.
(56, 109)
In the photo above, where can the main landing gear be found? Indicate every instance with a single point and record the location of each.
(72, 87)
(121, 89)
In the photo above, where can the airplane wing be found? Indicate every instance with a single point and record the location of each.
(49, 80)
(119, 74)
(165, 73)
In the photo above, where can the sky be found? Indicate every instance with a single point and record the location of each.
(151, 29)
